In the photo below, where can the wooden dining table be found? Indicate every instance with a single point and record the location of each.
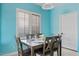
(37, 43)
(33, 44)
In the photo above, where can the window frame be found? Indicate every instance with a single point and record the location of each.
(30, 12)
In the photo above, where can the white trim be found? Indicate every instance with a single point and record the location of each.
(27, 11)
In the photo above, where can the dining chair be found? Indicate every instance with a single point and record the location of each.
(56, 45)
(52, 44)
(47, 46)
(46, 49)
(38, 35)
(29, 36)
(21, 51)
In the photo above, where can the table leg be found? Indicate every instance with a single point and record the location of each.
(32, 51)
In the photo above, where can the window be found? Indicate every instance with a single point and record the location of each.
(35, 24)
(27, 22)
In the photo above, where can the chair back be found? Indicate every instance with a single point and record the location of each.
(56, 44)
(47, 45)
(19, 46)
(38, 35)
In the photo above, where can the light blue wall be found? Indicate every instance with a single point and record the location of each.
(0, 22)
(8, 24)
(0, 26)
(66, 8)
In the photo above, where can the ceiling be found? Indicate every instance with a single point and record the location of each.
(55, 4)
(49, 5)
(40, 4)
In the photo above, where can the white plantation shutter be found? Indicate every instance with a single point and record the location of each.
(35, 24)
(27, 23)
(20, 23)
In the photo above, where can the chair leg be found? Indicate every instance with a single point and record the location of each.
(60, 48)
(59, 51)
(52, 53)
(43, 53)
(19, 54)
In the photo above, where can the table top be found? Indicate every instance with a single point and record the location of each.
(32, 42)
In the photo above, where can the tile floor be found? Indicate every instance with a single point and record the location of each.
(65, 52)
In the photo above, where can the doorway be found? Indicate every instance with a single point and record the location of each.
(68, 26)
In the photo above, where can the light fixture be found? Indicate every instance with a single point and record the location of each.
(47, 6)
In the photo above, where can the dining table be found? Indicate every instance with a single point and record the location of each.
(34, 44)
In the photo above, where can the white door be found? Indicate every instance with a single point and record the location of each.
(68, 25)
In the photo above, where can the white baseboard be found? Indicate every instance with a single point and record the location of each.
(11, 54)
